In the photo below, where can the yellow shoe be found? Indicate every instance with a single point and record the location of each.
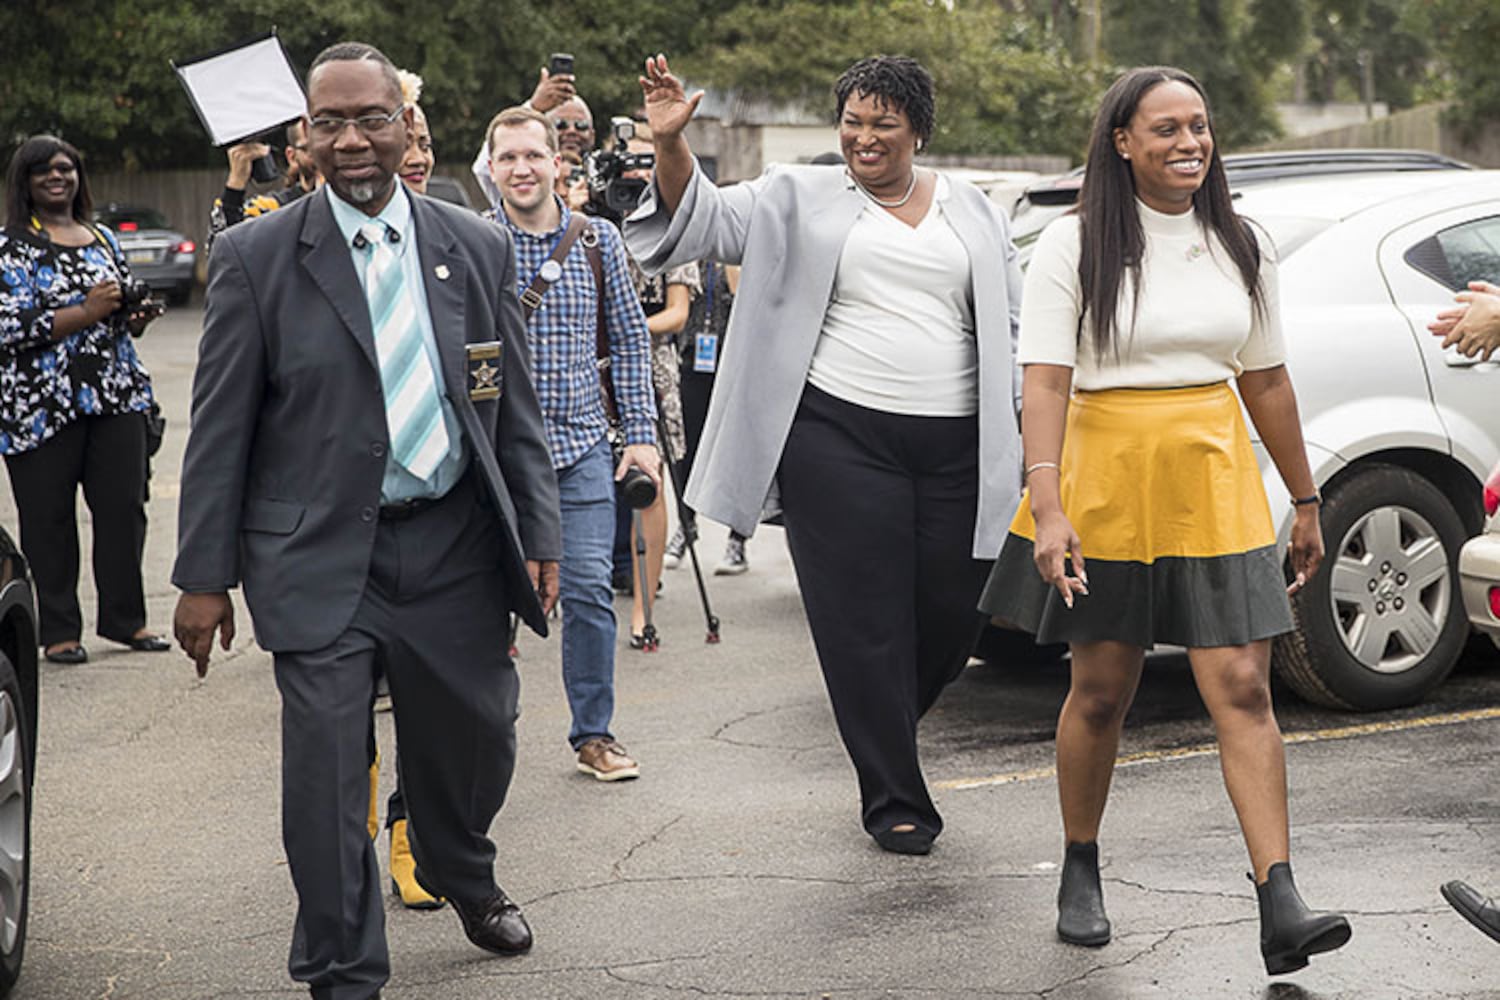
(372, 821)
(404, 873)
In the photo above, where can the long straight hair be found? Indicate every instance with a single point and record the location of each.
(41, 149)
(1111, 239)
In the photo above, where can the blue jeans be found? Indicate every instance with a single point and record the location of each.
(587, 491)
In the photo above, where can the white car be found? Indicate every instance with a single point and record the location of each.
(1400, 433)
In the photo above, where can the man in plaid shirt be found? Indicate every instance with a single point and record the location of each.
(524, 164)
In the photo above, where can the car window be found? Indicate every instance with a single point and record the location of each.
(1460, 254)
(129, 219)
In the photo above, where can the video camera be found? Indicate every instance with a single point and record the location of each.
(612, 195)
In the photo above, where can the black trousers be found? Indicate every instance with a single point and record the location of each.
(695, 388)
(107, 456)
(433, 617)
(880, 512)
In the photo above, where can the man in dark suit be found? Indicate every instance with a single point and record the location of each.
(368, 461)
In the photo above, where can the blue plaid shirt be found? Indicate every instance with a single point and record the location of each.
(562, 340)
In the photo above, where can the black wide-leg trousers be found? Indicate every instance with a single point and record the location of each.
(880, 512)
(107, 457)
(433, 616)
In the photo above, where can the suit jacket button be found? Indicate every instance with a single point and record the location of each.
(377, 449)
(367, 513)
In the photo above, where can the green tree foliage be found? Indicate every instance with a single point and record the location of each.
(1465, 36)
(1012, 75)
(1392, 35)
(1004, 85)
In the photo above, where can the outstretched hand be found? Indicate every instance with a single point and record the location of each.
(1472, 327)
(668, 107)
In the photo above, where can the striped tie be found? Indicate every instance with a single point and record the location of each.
(419, 441)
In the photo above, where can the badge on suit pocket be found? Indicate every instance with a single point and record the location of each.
(485, 366)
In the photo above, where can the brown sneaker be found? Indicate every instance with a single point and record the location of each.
(606, 760)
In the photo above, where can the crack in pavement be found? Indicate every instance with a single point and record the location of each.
(718, 877)
(823, 992)
(1206, 893)
(718, 734)
(618, 866)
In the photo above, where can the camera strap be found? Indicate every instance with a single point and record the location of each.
(579, 230)
(552, 267)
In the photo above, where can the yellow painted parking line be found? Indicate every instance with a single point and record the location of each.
(1212, 749)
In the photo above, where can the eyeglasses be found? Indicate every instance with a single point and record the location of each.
(43, 169)
(562, 125)
(332, 127)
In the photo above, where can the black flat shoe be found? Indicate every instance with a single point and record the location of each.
(148, 644)
(917, 841)
(71, 656)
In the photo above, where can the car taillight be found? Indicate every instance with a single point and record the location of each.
(127, 227)
(1492, 492)
(1495, 601)
(186, 246)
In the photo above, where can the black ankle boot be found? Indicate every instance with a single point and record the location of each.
(1080, 900)
(1289, 931)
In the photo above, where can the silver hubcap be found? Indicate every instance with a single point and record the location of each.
(1390, 589)
(12, 823)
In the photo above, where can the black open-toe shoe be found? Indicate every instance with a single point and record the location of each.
(147, 643)
(69, 656)
(915, 841)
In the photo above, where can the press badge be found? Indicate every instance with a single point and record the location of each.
(706, 353)
(484, 363)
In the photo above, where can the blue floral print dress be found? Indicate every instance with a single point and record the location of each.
(45, 385)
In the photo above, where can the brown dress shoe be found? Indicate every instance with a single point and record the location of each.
(606, 760)
(495, 924)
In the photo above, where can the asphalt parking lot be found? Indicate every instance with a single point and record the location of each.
(735, 867)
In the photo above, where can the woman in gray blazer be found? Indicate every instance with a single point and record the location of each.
(868, 388)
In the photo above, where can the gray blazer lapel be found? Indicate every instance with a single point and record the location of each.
(827, 231)
(445, 279)
(977, 235)
(326, 258)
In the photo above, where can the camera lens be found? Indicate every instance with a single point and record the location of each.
(638, 489)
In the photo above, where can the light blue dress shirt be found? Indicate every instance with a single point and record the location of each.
(399, 484)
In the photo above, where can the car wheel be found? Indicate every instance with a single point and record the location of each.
(1381, 623)
(179, 296)
(15, 824)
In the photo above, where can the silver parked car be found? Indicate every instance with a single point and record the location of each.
(1400, 433)
(18, 702)
(157, 254)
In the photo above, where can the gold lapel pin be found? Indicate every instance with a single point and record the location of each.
(441, 271)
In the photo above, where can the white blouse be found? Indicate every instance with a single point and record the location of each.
(1193, 323)
(898, 334)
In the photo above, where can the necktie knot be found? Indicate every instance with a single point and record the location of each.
(371, 235)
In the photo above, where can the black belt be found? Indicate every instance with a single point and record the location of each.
(403, 509)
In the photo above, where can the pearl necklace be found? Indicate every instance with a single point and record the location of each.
(910, 188)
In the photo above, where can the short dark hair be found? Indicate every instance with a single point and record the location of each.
(516, 117)
(358, 52)
(1112, 241)
(37, 150)
(900, 82)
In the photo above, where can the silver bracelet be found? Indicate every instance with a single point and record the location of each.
(1041, 465)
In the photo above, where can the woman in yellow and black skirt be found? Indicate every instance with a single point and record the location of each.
(1145, 520)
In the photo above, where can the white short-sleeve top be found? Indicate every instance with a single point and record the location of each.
(1194, 323)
